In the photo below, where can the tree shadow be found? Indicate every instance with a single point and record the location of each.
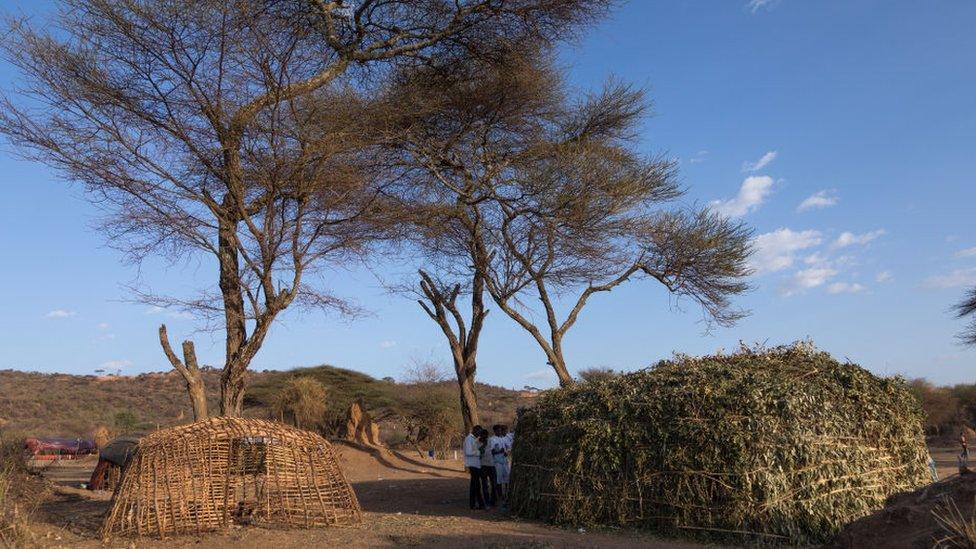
(73, 511)
(477, 540)
(383, 455)
(442, 497)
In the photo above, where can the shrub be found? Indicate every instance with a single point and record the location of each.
(430, 416)
(597, 374)
(126, 422)
(301, 402)
(763, 445)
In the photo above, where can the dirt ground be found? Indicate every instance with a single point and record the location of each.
(408, 501)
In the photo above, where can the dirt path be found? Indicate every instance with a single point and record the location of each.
(408, 501)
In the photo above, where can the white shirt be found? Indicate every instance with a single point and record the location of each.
(497, 446)
(472, 457)
(487, 460)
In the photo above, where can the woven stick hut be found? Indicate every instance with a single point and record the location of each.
(209, 474)
(781, 445)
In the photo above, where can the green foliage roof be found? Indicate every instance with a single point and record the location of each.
(781, 445)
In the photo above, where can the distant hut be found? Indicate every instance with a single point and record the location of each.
(112, 458)
(58, 448)
(213, 473)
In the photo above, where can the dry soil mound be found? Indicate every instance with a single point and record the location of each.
(909, 519)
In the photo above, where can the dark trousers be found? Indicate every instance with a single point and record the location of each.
(488, 485)
(474, 489)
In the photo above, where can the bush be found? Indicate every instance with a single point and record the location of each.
(301, 402)
(597, 374)
(429, 416)
(781, 445)
(126, 422)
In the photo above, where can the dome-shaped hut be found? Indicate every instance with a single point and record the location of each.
(209, 474)
(782, 445)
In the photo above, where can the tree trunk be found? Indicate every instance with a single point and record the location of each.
(232, 386)
(469, 399)
(232, 380)
(565, 380)
(190, 371)
(558, 363)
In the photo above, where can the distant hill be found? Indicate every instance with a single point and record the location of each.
(72, 405)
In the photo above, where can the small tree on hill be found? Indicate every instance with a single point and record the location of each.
(125, 422)
(427, 412)
(597, 374)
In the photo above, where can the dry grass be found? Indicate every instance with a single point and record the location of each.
(70, 405)
(958, 530)
(15, 508)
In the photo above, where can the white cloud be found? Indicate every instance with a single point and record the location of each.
(545, 374)
(763, 161)
(847, 238)
(814, 259)
(60, 313)
(845, 288)
(756, 5)
(968, 252)
(958, 278)
(751, 195)
(777, 250)
(103, 326)
(818, 200)
(884, 276)
(388, 344)
(698, 157)
(808, 279)
(156, 310)
(116, 364)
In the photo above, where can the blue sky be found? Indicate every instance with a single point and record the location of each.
(844, 132)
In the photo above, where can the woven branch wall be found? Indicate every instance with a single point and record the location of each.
(209, 474)
(781, 445)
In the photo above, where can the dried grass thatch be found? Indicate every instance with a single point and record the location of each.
(209, 474)
(761, 446)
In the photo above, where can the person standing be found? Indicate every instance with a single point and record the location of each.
(499, 452)
(487, 471)
(964, 455)
(472, 461)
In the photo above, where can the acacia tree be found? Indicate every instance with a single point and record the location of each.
(452, 130)
(967, 307)
(698, 255)
(230, 129)
(584, 214)
(535, 195)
